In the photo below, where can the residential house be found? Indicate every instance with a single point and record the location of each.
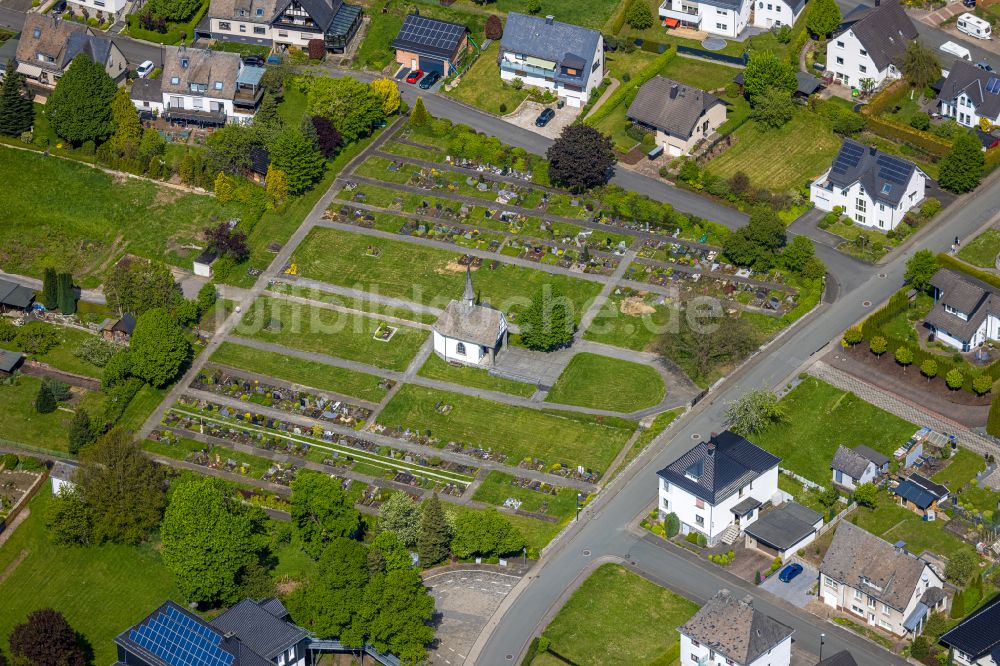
(203, 87)
(49, 44)
(875, 189)
(680, 115)
(248, 634)
(470, 333)
(853, 467)
(975, 641)
(727, 18)
(99, 9)
(731, 632)
(881, 583)
(718, 487)
(62, 476)
(775, 13)
(869, 45)
(10, 361)
(920, 495)
(966, 311)
(282, 23)
(118, 330)
(15, 298)
(784, 530)
(563, 58)
(147, 97)
(970, 93)
(430, 45)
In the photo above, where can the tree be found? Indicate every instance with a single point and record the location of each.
(209, 537)
(867, 85)
(16, 111)
(581, 158)
(764, 71)
(135, 285)
(302, 164)
(878, 345)
(330, 600)
(226, 241)
(158, 349)
(773, 108)
(224, 187)
(485, 533)
(962, 169)
(37, 338)
(418, 115)
(920, 268)
(118, 369)
(754, 411)
(823, 17)
(494, 27)
(387, 91)
(852, 336)
(920, 120)
(125, 122)
(547, 323)
(929, 368)
(66, 295)
(45, 402)
(396, 615)
(46, 639)
(79, 108)
(50, 289)
(207, 296)
(920, 66)
(228, 148)
(81, 433)
(349, 104)
(866, 495)
(434, 535)
(328, 139)
(68, 519)
(321, 512)
(400, 515)
(954, 379)
(671, 525)
(982, 384)
(276, 185)
(904, 356)
(829, 497)
(756, 243)
(391, 552)
(700, 351)
(267, 122)
(797, 254)
(920, 648)
(961, 566)
(638, 15)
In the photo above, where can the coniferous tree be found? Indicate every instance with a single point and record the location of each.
(16, 111)
(45, 402)
(419, 116)
(79, 109)
(962, 168)
(434, 537)
(50, 289)
(65, 294)
(81, 433)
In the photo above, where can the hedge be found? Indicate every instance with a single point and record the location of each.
(947, 261)
(991, 160)
(171, 36)
(800, 35)
(618, 20)
(897, 131)
(618, 96)
(993, 422)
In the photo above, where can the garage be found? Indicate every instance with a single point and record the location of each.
(783, 530)
(432, 65)
(429, 44)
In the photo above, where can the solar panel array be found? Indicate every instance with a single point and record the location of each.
(894, 170)
(993, 85)
(180, 641)
(431, 33)
(848, 158)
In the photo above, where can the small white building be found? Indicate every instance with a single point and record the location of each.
(965, 313)
(468, 333)
(784, 530)
(873, 188)
(775, 13)
(853, 467)
(718, 487)
(62, 476)
(870, 43)
(970, 93)
(727, 18)
(203, 264)
(731, 632)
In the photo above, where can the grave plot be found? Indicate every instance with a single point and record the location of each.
(171, 445)
(693, 284)
(521, 494)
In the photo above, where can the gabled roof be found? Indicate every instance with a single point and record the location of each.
(735, 629)
(920, 491)
(14, 295)
(884, 31)
(716, 469)
(49, 35)
(205, 67)
(430, 37)
(879, 459)
(670, 106)
(124, 325)
(258, 628)
(851, 462)
(785, 526)
(978, 634)
(9, 360)
(964, 293)
(476, 324)
(842, 658)
(322, 12)
(979, 85)
(561, 43)
(230, 9)
(885, 177)
(147, 90)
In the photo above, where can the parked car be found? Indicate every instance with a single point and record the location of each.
(253, 61)
(985, 66)
(144, 70)
(544, 117)
(415, 76)
(971, 4)
(790, 572)
(429, 80)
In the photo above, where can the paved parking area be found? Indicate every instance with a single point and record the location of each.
(531, 366)
(797, 592)
(526, 114)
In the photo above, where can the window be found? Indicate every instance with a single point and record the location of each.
(863, 52)
(860, 219)
(881, 207)
(858, 595)
(260, 11)
(175, 80)
(36, 33)
(184, 63)
(769, 7)
(218, 85)
(258, 30)
(871, 602)
(243, 28)
(723, 12)
(885, 609)
(596, 65)
(99, 3)
(196, 102)
(700, 503)
(840, 44)
(862, 69)
(760, 5)
(840, 61)
(861, 205)
(720, 26)
(282, 34)
(699, 520)
(697, 644)
(224, 25)
(460, 349)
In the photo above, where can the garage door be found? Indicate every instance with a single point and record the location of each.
(432, 65)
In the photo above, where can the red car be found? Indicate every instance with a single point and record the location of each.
(415, 76)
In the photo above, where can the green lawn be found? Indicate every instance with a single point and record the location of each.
(601, 382)
(700, 73)
(620, 63)
(301, 371)
(894, 523)
(631, 331)
(438, 368)
(62, 356)
(426, 275)
(481, 85)
(553, 437)
(618, 617)
(19, 422)
(101, 590)
(962, 468)
(982, 251)
(348, 336)
(496, 489)
(647, 436)
(66, 215)
(590, 14)
(142, 405)
(780, 159)
(819, 418)
(370, 307)
(614, 125)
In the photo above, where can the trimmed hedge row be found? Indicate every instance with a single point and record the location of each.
(897, 131)
(947, 261)
(993, 422)
(991, 160)
(619, 96)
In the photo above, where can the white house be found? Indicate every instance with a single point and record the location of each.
(203, 264)
(869, 44)
(718, 487)
(965, 313)
(469, 333)
(731, 632)
(970, 93)
(774, 13)
(784, 530)
(853, 467)
(727, 18)
(881, 583)
(975, 641)
(873, 188)
(680, 115)
(563, 58)
(62, 476)
(282, 23)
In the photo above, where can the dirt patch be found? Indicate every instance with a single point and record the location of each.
(21, 557)
(635, 306)
(286, 586)
(166, 195)
(454, 267)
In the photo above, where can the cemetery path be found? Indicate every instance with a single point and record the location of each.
(588, 317)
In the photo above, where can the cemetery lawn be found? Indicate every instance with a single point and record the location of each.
(537, 533)
(519, 432)
(601, 382)
(62, 213)
(329, 332)
(496, 489)
(982, 250)
(438, 368)
(426, 275)
(630, 331)
(300, 371)
(20, 423)
(368, 307)
(819, 418)
(598, 625)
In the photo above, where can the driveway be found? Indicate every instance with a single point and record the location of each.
(796, 592)
(525, 115)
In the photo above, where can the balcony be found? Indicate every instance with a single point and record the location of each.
(521, 69)
(687, 15)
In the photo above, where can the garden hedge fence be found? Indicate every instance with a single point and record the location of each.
(630, 88)
(993, 422)
(897, 131)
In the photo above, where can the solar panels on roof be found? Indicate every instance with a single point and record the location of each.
(893, 170)
(993, 85)
(433, 35)
(848, 157)
(180, 640)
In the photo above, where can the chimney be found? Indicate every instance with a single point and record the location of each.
(549, 19)
(872, 150)
(711, 450)
(673, 91)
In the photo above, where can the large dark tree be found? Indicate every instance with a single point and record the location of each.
(158, 349)
(16, 111)
(79, 109)
(50, 289)
(226, 241)
(920, 268)
(45, 402)
(701, 351)
(494, 27)
(962, 169)
(321, 512)
(548, 322)
(46, 639)
(920, 65)
(300, 161)
(823, 17)
(228, 149)
(581, 158)
(396, 615)
(485, 533)
(349, 104)
(81, 433)
(434, 536)
(66, 294)
(756, 243)
(137, 285)
(328, 139)
(329, 602)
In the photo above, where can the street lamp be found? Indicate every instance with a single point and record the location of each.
(822, 639)
(579, 498)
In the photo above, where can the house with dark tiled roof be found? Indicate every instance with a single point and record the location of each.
(970, 93)
(852, 467)
(869, 44)
(282, 23)
(784, 530)
(718, 487)
(731, 631)
(429, 44)
(975, 641)
(48, 45)
(919, 494)
(15, 297)
(468, 332)
(881, 583)
(842, 658)
(966, 311)
(680, 115)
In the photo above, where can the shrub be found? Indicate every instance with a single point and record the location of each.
(503, 107)
(671, 525)
(8, 461)
(692, 537)
(993, 422)
(852, 336)
(517, 83)
(920, 648)
(317, 49)
(920, 121)
(982, 384)
(31, 464)
(95, 351)
(930, 207)
(955, 379)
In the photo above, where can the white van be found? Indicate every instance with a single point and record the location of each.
(974, 26)
(951, 48)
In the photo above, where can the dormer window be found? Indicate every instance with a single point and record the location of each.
(218, 85)
(184, 63)
(174, 80)
(36, 33)
(243, 12)
(260, 11)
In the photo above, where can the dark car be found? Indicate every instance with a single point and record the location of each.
(414, 76)
(253, 61)
(790, 572)
(544, 117)
(969, 3)
(985, 66)
(429, 80)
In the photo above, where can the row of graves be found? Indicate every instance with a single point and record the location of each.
(737, 293)
(487, 168)
(219, 458)
(533, 485)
